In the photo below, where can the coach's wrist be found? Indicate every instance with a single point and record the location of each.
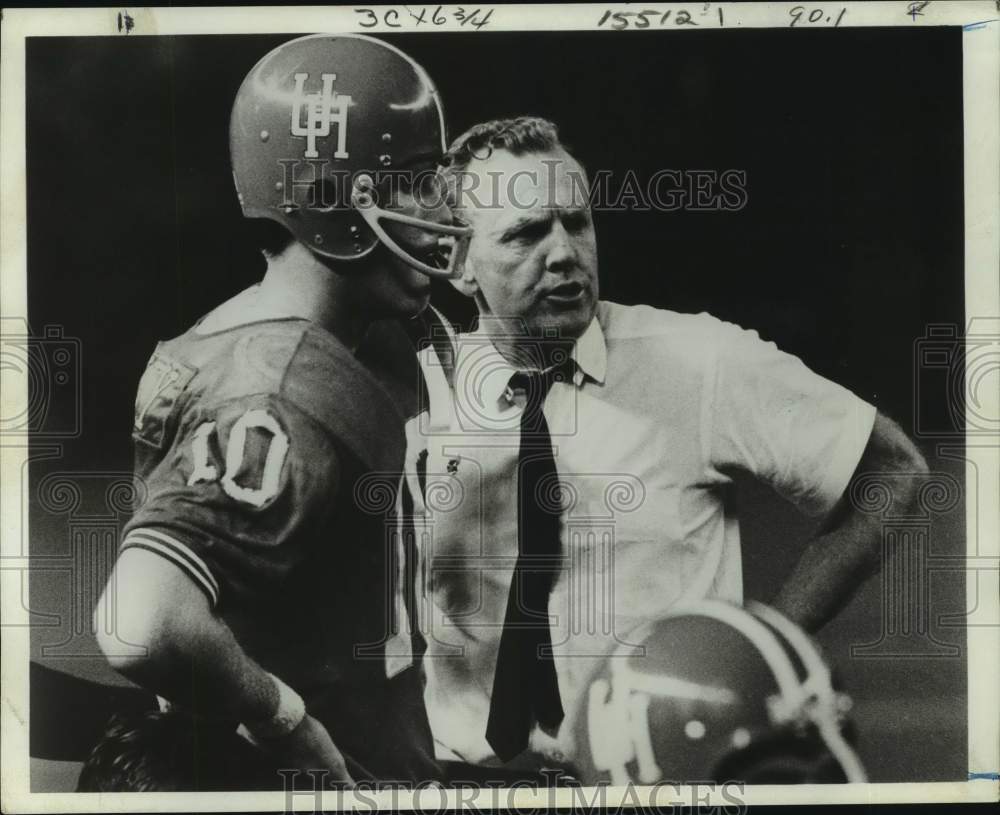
(289, 714)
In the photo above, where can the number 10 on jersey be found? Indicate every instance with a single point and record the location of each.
(268, 465)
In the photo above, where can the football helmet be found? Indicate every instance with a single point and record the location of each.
(715, 693)
(319, 125)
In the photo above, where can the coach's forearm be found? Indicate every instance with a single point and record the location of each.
(189, 655)
(832, 568)
(837, 562)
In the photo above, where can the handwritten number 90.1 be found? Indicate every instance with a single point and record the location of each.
(816, 15)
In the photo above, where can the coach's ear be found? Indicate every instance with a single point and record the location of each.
(467, 283)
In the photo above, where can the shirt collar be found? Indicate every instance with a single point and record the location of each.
(589, 353)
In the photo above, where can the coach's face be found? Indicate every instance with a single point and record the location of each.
(532, 259)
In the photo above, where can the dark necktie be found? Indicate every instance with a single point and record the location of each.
(525, 687)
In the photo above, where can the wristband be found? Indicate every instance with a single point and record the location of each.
(290, 713)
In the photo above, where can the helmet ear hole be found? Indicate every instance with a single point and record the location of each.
(342, 236)
(336, 229)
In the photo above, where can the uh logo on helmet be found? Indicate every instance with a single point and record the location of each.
(717, 693)
(317, 124)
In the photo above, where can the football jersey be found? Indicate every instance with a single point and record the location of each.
(267, 458)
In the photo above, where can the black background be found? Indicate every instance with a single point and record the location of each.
(849, 247)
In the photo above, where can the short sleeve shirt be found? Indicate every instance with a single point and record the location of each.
(661, 410)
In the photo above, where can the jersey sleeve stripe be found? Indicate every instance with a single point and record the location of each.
(179, 553)
(183, 548)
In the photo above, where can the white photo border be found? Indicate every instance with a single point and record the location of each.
(981, 66)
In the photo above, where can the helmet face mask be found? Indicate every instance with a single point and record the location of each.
(449, 249)
(314, 121)
(717, 693)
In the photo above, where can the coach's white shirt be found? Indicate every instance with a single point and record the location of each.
(662, 406)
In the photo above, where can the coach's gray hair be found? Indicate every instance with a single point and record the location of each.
(525, 134)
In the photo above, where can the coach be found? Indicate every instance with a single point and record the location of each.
(579, 457)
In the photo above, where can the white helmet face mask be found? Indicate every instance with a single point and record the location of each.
(451, 247)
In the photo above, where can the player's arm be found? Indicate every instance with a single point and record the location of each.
(167, 639)
(232, 507)
(848, 550)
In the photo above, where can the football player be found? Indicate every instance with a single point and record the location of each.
(259, 576)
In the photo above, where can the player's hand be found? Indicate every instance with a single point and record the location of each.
(309, 747)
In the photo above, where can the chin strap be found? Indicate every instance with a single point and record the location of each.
(453, 243)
